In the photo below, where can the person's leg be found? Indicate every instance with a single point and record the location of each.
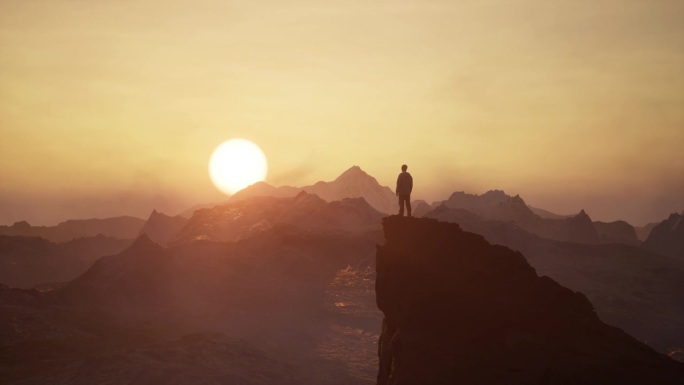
(401, 206)
(408, 205)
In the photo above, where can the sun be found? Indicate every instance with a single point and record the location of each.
(236, 164)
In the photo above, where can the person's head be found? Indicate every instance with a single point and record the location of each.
(404, 167)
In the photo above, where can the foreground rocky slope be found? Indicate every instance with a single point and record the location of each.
(630, 287)
(459, 310)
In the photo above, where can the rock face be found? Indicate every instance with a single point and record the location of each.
(459, 310)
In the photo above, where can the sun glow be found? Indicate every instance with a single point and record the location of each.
(236, 164)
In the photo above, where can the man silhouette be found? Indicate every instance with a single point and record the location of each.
(403, 191)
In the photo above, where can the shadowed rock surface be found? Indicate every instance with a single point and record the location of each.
(630, 287)
(459, 310)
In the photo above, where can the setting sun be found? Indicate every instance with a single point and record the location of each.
(236, 164)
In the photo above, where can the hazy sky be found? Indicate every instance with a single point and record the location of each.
(113, 107)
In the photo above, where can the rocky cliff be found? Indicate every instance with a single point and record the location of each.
(459, 310)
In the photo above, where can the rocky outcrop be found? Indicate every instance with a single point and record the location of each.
(667, 238)
(459, 310)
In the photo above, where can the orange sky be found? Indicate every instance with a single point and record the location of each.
(113, 107)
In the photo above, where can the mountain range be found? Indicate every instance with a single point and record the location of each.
(352, 183)
(124, 227)
(280, 281)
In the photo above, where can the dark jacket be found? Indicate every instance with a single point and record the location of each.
(404, 184)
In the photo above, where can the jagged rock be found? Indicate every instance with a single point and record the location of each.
(459, 310)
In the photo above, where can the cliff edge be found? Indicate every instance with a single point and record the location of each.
(459, 310)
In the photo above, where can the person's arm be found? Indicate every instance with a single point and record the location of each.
(396, 190)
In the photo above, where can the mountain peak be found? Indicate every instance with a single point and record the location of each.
(353, 173)
(495, 193)
(21, 225)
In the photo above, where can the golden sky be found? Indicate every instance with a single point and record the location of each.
(113, 107)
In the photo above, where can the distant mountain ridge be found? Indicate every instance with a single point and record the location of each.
(243, 218)
(124, 227)
(352, 183)
(29, 261)
(496, 205)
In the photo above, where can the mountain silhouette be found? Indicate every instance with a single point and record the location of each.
(459, 310)
(161, 228)
(124, 227)
(29, 261)
(352, 183)
(243, 218)
(496, 205)
(667, 238)
(616, 232)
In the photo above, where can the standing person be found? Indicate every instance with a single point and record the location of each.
(403, 191)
